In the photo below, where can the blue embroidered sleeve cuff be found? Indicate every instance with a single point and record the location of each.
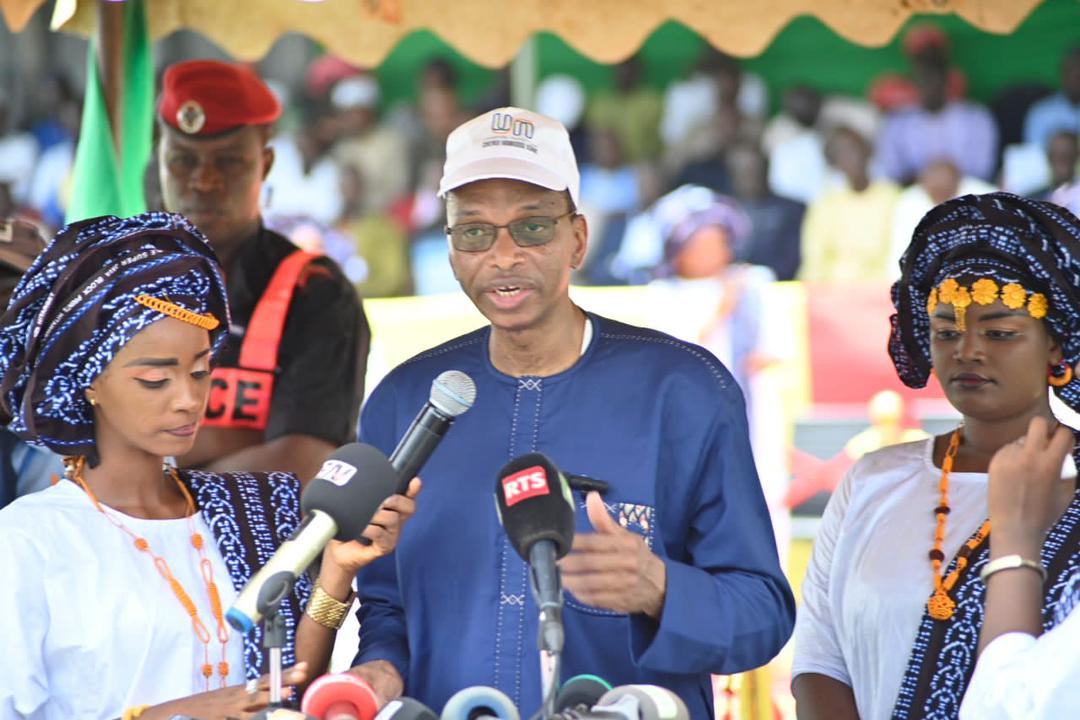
(724, 624)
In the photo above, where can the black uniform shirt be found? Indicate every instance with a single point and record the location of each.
(319, 380)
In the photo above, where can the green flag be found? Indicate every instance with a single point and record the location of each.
(107, 180)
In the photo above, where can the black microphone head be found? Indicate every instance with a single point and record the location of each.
(534, 503)
(452, 393)
(581, 691)
(349, 487)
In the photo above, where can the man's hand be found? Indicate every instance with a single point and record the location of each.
(613, 568)
(1027, 494)
(383, 677)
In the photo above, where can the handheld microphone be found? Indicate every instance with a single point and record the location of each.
(580, 693)
(405, 708)
(640, 702)
(452, 393)
(338, 503)
(342, 696)
(536, 510)
(480, 703)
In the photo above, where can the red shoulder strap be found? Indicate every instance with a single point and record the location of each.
(259, 349)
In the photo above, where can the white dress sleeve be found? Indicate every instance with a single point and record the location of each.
(24, 621)
(1019, 677)
(817, 644)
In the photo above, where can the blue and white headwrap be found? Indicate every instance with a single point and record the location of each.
(1000, 236)
(75, 308)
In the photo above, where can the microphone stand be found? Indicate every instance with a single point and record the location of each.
(550, 638)
(276, 589)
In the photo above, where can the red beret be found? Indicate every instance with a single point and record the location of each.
(207, 97)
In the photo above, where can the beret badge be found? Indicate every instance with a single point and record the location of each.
(190, 117)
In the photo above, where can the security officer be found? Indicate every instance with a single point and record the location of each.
(286, 388)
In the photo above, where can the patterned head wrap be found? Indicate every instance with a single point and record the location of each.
(691, 209)
(96, 285)
(1029, 249)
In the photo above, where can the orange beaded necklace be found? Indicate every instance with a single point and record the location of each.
(75, 470)
(940, 605)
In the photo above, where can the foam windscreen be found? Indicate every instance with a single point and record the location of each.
(349, 487)
(535, 503)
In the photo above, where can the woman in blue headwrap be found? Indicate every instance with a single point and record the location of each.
(989, 303)
(115, 579)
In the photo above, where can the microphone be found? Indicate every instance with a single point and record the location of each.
(536, 510)
(580, 693)
(452, 393)
(639, 702)
(342, 696)
(479, 703)
(338, 503)
(405, 708)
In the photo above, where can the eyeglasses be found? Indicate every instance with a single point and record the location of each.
(526, 232)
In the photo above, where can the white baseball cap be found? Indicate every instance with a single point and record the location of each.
(514, 144)
(357, 91)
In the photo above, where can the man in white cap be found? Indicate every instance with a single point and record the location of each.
(377, 151)
(674, 572)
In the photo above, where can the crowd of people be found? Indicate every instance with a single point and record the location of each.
(355, 177)
(168, 382)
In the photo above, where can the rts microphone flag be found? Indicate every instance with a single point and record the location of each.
(534, 504)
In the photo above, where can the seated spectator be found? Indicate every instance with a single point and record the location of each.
(922, 42)
(561, 97)
(303, 180)
(610, 192)
(1060, 111)
(846, 233)
(795, 146)
(24, 468)
(18, 155)
(641, 250)
(377, 150)
(775, 222)
(938, 128)
(632, 111)
(50, 185)
(609, 183)
(690, 105)
(380, 266)
(939, 181)
(1062, 155)
(708, 169)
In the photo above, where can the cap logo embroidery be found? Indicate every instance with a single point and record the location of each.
(503, 123)
(191, 117)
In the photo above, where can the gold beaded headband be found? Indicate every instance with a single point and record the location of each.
(206, 322)
(985, 291)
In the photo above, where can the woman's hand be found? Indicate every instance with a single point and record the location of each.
(341, 560)
(227, 703)
(1027, 493)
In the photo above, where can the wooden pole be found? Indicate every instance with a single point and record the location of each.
(110, 36)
